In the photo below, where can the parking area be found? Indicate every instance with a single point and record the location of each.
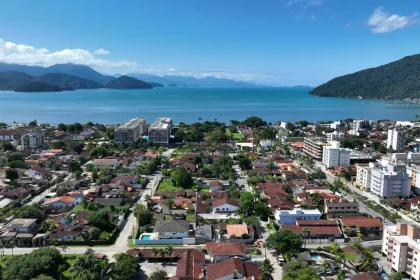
(146, 268)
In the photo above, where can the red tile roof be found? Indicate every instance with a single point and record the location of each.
(190, 264)
(63, 199)
(317, 222)
(366, 276)
(361, 222)
(225, 268)
(41, 170)
(225, 249)
(216, 183)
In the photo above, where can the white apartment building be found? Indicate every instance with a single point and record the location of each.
(384, 179)
(401, 246)
(160, 131)
(414, 172)
(334, 156)
(289, 217)
(335, 136)
(390, 181)
(131, 131)
(396, 138)
(338, 125)
(32, 140)
(364, 172)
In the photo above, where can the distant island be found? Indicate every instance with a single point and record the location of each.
(394, 81)
(155, 84)
(38, 87)
(126, 82)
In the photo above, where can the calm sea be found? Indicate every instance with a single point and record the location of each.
(190, 104)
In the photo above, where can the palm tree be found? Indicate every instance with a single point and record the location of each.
(12, 244)
(306, 233)
(325, 265)
(162, 253)
(271, 166)
(64, 248)
(169, 250)
(267, 269)
(368, 262)
(169, 203)
(155, 252)
(107, 268)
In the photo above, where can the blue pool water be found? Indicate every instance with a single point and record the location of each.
(145, 237)
(316, 257)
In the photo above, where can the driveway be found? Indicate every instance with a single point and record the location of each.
(146, 268)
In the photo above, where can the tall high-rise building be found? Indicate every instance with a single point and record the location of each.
(32, 140)
(131, 131)
(396, 138)
(160, 131)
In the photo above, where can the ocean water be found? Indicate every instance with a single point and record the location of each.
(189, 104)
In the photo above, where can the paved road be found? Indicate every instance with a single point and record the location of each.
(278, 273)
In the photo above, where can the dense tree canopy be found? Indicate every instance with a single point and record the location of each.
(284, 242)
(396, 80)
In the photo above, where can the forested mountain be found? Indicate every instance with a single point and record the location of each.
(11, 80)
(125, 82)
(68, 81)
(37, 87)
(77, 70)
(397, 80)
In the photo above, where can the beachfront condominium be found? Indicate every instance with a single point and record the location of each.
(396, 138)
(313, 146)
(335, 136)
(334, 156)
(401, 246)
(130, 132)
(32, 140)
(160, 131)
(385, 180)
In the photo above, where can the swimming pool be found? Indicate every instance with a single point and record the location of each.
(145, 237)
(316, 257)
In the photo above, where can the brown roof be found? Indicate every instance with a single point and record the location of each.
(222, 201)
(226, 249)
(41, 170)
(315, 230)
(216, 183)
(63, 199)
(237, 230)
(361, 222)
(317, 222)
(190, 264)
(351, 250)
(281, 203)
(252, 270)
(224, 268)
(366, 276)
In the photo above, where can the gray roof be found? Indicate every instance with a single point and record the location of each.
(20, 223)
(109, 201)
(172, 226)
(342, 204)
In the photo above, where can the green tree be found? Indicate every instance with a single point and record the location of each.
(94, 233)
(106, 268)
(267, 269)
(244, 163)
(368, 262)
(12, 174)
(396, 276)
(169, 250)
(31, 212)
(143, 215)
(125, 267)
(87, 266)
(101, 220)
(254, 122)
(155, 252)
(7, 146)
(181, 177)
(284, 242)
(247, 203)
(158, 275)
(306, 233)
(43, 277)
(262, 210)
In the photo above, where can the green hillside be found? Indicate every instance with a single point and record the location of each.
(68, 81)
(397, 80)
(37, 87)
(125, 82)
(11, 80)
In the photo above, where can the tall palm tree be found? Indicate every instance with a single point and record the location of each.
(155, 252)
(64, 248)
(162, 253)
(169, 250)
(306, 233)
(267, 269)
(107, 268)
(368, 262)
(325, 265)
(271, 166)
(12, 244)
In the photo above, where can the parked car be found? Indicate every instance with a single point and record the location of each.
(130, 236)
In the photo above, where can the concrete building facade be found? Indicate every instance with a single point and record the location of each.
(131, 131)
(334, 156)
(313, 146)
(160, 131)
(32, 140)
(396, 138)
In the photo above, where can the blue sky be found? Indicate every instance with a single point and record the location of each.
(273, 42)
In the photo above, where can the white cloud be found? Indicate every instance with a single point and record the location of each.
(170, 69)
(29, 55)
(101, 52)
(383, 22)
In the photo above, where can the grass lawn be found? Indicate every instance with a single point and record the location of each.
(236, 135)
(166, 185)
(190, 217)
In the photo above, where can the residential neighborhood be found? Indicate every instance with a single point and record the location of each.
(208, 200)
